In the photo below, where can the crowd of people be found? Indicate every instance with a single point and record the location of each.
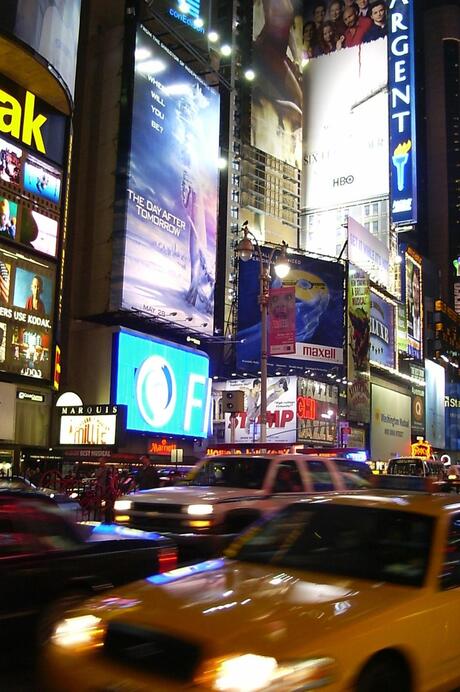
(343, 24)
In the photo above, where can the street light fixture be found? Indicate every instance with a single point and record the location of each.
(245, 250)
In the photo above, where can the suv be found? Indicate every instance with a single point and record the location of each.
(416, 466)
(222, 495)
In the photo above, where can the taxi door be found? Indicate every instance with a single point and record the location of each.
(446, 616)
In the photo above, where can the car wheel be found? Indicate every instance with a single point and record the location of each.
(385, 673)
(54, 612)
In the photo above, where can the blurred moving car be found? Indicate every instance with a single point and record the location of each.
(47, 561)
(68, 503)
(348, 592)
(417, 466)
(223, 495)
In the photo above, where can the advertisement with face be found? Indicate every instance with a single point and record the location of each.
(51, 28)
(276, 106)
(382, 323)
(26, 309)
(170, 237)
(413, 293)
(359, 314)
(281, 410)
(8, 217)
(435, 378)
(345, 104)
(390, 429)
(317, 411)
(319, 305)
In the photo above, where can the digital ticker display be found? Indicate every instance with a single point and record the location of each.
(26, 314)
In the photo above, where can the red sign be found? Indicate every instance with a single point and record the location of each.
(306, 408)
(281, 320)
(162, 448)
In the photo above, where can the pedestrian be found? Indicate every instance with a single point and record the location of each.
(147, 476)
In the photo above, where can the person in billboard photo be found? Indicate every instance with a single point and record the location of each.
(7, 222)
(309, 48)
(276, 390)
(252, 403)
(328, 38)
(200, 293)
(277, 59)
(414, 322)
(363, 8)
(378, 14)
(319, 15)
(357, 27)
(34, 303)
(10, 164)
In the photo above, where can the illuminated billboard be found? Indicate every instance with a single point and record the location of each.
(390, 429)
(281, 410)
(89, 425)
(435, 390)
(276, 103)
(165, 387)
(51, 28)
(28, 122)
(382, 327)
(413, 297)
(367, 252)
(359, 315)
(168, 254)
(345, 106)
(26, 314)
(317, 411)
(319, 306)
(401, 87)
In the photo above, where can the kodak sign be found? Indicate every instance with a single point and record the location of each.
(30, 121)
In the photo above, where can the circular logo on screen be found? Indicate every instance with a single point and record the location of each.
(156, 392)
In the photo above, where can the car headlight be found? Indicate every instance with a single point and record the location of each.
(122, 505)
(81, 632)
(199, 510)
(250, 673)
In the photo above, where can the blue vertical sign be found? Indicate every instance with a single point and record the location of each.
(401, 88)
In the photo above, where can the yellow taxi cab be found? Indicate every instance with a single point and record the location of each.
(357, 592)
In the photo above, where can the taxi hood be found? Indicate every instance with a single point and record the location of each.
(230, 605)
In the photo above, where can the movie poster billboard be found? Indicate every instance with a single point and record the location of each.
(319, 306)
(435, 425)
(281, 320)
(317, 411)
(359, 314)
(413, 294)
(281, 410)
(26, 314)
(382, 324)
(345, 105)
(169, 255)
(51, 28)
(390, 429)
(276, 103)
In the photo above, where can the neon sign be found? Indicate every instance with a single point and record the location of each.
(403, 164)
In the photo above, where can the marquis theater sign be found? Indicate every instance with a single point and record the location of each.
(96, 424)
(401, 89)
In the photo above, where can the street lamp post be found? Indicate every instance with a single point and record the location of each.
(245, 251)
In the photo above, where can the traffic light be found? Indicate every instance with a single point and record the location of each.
(233, 401)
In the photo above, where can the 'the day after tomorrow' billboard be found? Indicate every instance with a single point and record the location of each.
(169, 249)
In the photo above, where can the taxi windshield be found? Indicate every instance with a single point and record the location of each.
(349, 541)
(230, 472)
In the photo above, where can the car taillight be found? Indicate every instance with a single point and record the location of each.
(167, 559)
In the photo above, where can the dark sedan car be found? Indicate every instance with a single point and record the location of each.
(48, 562)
